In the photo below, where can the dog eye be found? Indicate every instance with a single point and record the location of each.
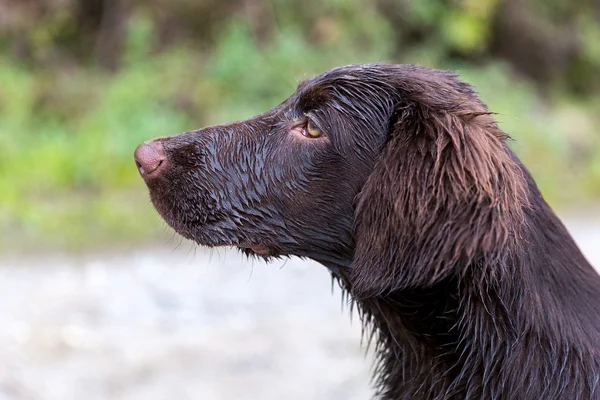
(310, 130)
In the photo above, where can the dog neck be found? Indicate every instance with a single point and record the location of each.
(457, 337)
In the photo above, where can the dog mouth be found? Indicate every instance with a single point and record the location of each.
(191, 207)
(261, 250)
(214, 230)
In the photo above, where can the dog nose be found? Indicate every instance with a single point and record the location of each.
(150, 159)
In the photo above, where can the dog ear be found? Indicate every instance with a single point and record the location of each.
(445, 193)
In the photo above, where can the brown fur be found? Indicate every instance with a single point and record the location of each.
(455, 185)
(466, 282)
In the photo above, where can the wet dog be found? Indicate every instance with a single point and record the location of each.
(398, 179)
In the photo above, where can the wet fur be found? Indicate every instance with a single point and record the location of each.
(467, 283)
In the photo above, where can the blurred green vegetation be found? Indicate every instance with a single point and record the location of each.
(73, 109)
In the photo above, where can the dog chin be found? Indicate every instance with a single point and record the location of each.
(204, 236)
(259, 251)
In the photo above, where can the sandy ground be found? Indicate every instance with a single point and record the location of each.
(165, 323)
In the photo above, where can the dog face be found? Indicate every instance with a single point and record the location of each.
(283, 182)
(398, 170)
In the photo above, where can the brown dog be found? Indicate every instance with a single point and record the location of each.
(398, 179)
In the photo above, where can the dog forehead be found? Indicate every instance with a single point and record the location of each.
(339, 75)
(315, 91)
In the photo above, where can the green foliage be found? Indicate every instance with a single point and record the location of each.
(247, 79)
(67, 177)
(557, 140)
(68, 139)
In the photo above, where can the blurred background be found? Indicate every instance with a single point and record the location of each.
(100, 300)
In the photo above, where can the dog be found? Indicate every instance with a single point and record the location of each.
(398, 179)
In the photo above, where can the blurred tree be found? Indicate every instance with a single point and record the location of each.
(540, 39)
(553, 42)
(46, 32)
(104, 24)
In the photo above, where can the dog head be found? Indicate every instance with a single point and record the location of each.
(395, 172)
